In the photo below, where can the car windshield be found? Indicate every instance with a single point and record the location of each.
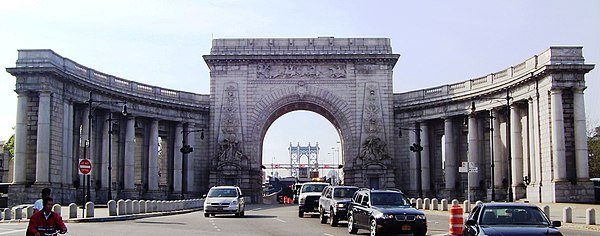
(513, 215)
(313, 188)
(395, 199)
(223, 192)
(344, 192)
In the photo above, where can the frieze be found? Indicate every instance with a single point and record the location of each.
(300, 71)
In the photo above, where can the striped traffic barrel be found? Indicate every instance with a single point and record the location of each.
(456, 220)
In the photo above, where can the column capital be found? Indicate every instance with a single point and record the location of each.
(556, 90)
(579, 89)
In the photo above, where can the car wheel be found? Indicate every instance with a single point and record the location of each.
(237, 214)
(300, 214)
(373, 228)
(242, 213)
(334, 220)
(322, 216)
(206, 215)
(351, 228)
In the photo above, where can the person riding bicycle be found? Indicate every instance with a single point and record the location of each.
(45, 221)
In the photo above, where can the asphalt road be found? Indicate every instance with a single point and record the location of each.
(259, 220)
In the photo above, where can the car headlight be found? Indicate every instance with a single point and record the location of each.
(340, 205)
(420, 217)
(234, 202)
(384, 216)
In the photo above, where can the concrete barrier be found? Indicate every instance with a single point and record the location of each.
(72, 210)
(478, 203)
(419, 203)
(434, 204)
(567, 215)
(18, 213)
(467, 206)
(136, 207)
(455, 202)
(89, 210)
(546, 210)
(57, 209)
(142, 206)
(7, 214)
(590, 216)
(444, 204)
(112, 207)
(426, 203)
(121, 207)
(29, 212)
(148, 206)
(128, 207)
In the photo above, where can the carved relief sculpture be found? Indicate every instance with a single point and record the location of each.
(300, 71)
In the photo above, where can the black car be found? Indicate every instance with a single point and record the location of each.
(509, 219)
(333, 203)
(384, 211)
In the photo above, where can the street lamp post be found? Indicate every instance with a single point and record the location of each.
(416, 148)
(509, 191)
(187, 149)
(86, 179)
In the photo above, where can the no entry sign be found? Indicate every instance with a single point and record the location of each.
(85, 166)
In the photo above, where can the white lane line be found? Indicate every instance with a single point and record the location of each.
(256, 209)
(328, 234)
(14, 231)
(280, 220)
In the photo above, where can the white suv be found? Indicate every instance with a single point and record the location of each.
(224, 200)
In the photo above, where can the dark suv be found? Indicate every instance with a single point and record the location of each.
(333, 203)
(384, 211)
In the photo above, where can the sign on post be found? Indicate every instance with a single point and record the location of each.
(468, 167)
(85, 166)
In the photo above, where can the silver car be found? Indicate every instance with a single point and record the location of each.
(224, 200)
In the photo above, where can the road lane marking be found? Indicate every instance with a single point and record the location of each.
(280, 220)
(14, 231)
(328, 234)
(256, 209)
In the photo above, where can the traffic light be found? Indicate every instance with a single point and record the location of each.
(186, 149)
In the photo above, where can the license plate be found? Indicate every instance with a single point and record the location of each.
(406, 227)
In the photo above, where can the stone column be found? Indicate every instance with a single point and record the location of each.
(129, 168)
(71, 140)
(581, 148)
(558, 136)
(412, 161)
(425, 166)
(498, 150)
(473, 151)
(532, 142)
(450, 168)
(20, 168)
(516, 142)
(42, 165)
(153, 157)
(67, 143)
(190, 159)
(103, 170)
(177, 158)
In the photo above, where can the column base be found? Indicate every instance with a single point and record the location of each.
(499, 195)
(519, 192)
(566, 191)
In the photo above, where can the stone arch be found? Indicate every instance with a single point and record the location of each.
(302, 97)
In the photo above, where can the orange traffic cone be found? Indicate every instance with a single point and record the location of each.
(456, 220)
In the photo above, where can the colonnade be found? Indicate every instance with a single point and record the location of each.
(513, 148)
(137, 159)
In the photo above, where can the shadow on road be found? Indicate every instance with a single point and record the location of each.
(159, 222)
(246, 216)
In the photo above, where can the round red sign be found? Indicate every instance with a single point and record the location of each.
(85, 166)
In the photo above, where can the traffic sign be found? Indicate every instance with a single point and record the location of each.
(85, 166)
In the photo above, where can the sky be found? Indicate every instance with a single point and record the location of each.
(162, 42)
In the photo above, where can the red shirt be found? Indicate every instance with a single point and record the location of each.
(39, 223)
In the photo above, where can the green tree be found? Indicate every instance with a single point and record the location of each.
(594, 153)
(10, 146)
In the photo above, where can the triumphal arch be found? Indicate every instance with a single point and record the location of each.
(518, 132)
